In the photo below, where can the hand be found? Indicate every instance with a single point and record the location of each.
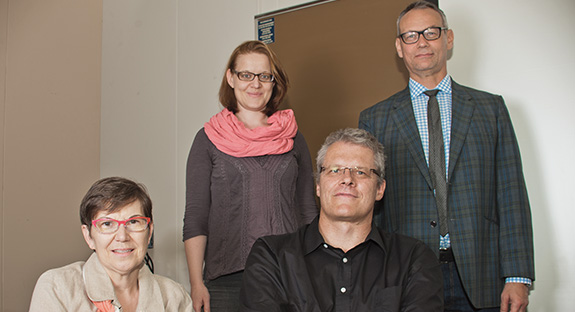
(200, 298)
(514, 298)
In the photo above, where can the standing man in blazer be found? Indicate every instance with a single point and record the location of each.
(485, 242)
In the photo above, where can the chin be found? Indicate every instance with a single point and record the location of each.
(128, 268)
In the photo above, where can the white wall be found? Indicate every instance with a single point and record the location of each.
(519, 49)
(163, 61)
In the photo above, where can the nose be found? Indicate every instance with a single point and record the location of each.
(422, 42)
(256, 83)
(347, 177)
(122, 233)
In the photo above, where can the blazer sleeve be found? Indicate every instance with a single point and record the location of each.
(515, 232)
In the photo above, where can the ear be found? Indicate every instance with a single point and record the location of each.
(380, 191)
(450, 37)
(317, 190)
(151, 232)
(87, 237)
(398, 47)
(230, 78)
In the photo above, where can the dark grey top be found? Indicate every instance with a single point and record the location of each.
(235, 200)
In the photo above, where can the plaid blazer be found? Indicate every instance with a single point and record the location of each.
(488, 208)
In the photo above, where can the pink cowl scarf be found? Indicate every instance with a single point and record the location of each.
(231, 136)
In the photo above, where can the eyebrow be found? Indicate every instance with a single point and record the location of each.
(249, 71)
(108, 217)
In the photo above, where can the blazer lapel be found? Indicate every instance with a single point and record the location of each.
(462, 108)
(404, 119)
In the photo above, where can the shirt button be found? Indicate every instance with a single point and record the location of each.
(433, 223)
(343, 290)
(325, 246)
(344, 260)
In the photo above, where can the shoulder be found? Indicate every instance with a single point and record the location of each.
(274, 253)
(408, 248)
(385, 105)
(392, 238)
(201, 137)
(68, 273)
(169, 286)
(486, 106)
(300, 144)
(173, 295)
(280, 244)
(165, 282)
(57, 287)
(202, 144)
(299, 139)
(461, 90)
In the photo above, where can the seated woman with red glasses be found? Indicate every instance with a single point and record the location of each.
(116, 216)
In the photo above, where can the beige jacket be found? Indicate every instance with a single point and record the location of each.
(72, 287)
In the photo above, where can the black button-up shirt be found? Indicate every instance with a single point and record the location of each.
(300, 272)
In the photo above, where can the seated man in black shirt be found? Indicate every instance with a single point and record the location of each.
(342, 261)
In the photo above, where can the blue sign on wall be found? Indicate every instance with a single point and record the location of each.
(266, 30)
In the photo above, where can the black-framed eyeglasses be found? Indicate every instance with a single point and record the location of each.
(249, 76)
(110, 226)
(430, 34)
(357, 172)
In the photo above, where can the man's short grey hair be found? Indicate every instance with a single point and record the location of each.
(358, 137)
(418, 5)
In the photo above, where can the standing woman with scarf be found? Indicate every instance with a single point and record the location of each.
(249, 174)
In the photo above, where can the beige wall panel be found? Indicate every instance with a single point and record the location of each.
(51, 137)
(340, 59)
(3, 22)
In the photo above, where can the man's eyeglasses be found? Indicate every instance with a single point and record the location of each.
(430, 34)
(356, 172)
(110, 226)
(249, 76)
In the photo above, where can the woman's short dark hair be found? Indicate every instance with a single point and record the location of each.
(112, 194)
(281, 82)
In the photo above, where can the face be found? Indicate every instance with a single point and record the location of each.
(251, 95)
(121, 253)
(424, 58)
(346, 197)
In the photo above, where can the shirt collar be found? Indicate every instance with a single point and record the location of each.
(99, 286)
(375, 236)
(416, 89)
(313, 238)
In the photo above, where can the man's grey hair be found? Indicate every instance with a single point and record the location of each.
(418, 5)
(358, 137)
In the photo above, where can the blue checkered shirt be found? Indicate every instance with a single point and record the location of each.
(419, 102)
